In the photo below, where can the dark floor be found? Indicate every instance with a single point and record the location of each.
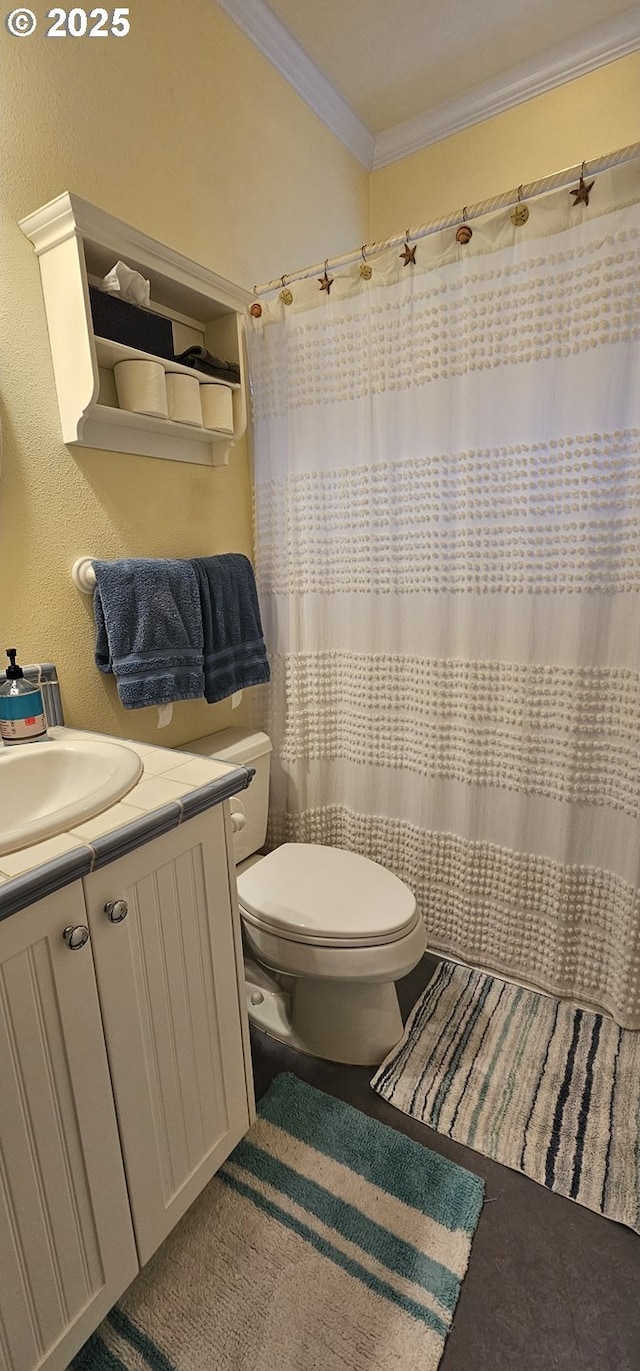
(549, 1285)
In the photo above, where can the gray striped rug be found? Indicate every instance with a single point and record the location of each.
(548, 1089)
(327, 1241)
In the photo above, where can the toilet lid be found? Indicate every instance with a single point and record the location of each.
(318, 893)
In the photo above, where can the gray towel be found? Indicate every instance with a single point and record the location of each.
(235, 655)
(149, 629)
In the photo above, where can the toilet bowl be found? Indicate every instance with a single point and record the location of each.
(344, 930)
(327, 932)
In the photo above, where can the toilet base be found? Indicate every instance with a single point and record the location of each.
(354, 1022)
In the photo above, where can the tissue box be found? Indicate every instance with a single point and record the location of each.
(131, 324)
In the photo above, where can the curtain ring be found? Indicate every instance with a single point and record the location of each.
(366, 271)
(464, 232)
(325, 282)
(408, 255)
(285, 295)
(520, 212)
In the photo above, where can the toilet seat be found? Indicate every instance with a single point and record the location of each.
(312, 940)
(326, 897)
(381, 963)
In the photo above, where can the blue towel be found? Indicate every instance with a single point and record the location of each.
(235, 655)
(149, 629)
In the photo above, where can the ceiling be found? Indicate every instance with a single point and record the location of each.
(390, 76)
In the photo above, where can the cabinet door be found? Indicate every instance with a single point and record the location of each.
(171, 1005)
(66, 1240)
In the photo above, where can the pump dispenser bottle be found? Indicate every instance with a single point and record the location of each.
(22, 718)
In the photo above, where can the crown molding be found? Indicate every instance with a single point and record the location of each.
(281, 49)
(589, 50)
(592, 49)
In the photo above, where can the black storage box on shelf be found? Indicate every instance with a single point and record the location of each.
(123, 322)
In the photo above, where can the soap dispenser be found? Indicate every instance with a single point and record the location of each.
(22, 718)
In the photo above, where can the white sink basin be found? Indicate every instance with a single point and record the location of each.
(49, 787)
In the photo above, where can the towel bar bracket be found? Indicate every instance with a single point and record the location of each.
(83, 575)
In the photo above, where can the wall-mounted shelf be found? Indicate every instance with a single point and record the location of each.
(74, 242)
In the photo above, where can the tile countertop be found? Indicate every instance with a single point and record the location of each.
(174, 786)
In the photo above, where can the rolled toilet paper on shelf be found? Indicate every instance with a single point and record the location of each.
(217, 406)
(183, 398)
(142, 388)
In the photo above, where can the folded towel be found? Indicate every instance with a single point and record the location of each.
(149, 629)
(235, 655)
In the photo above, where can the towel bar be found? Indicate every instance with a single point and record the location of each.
(83, 575)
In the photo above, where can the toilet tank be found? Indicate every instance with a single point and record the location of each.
(243, 747)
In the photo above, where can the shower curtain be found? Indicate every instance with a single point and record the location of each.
(447, 484)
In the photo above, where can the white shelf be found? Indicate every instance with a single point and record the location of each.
(71, 239)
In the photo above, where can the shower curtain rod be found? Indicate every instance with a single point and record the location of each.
(511, 197)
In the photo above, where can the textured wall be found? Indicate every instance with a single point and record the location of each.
(185, 131)
(585, 118)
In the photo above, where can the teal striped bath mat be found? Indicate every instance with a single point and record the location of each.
(545, 1088)
(327, 1241)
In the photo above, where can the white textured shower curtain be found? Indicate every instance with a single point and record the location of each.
(448, 559)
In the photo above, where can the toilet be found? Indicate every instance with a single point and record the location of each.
(326, 931)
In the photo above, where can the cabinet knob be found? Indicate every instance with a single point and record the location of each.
(76, 936)
(116, 910)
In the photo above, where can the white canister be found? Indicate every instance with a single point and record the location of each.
(217, 406)
(141, 388)
(183, 398)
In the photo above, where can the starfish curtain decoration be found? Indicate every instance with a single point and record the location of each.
(582, 192)
(408, 255)
(325, 282)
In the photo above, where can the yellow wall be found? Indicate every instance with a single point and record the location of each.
(184, 130)
(585, 118)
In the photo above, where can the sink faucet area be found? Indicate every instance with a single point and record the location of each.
(48, 787)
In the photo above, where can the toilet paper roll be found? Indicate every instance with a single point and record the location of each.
(183, 398)
(141, 388)
(217, 407)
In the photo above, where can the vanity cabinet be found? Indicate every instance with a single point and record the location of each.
(171, 1008)
(67, 1248)
(125, 1078)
